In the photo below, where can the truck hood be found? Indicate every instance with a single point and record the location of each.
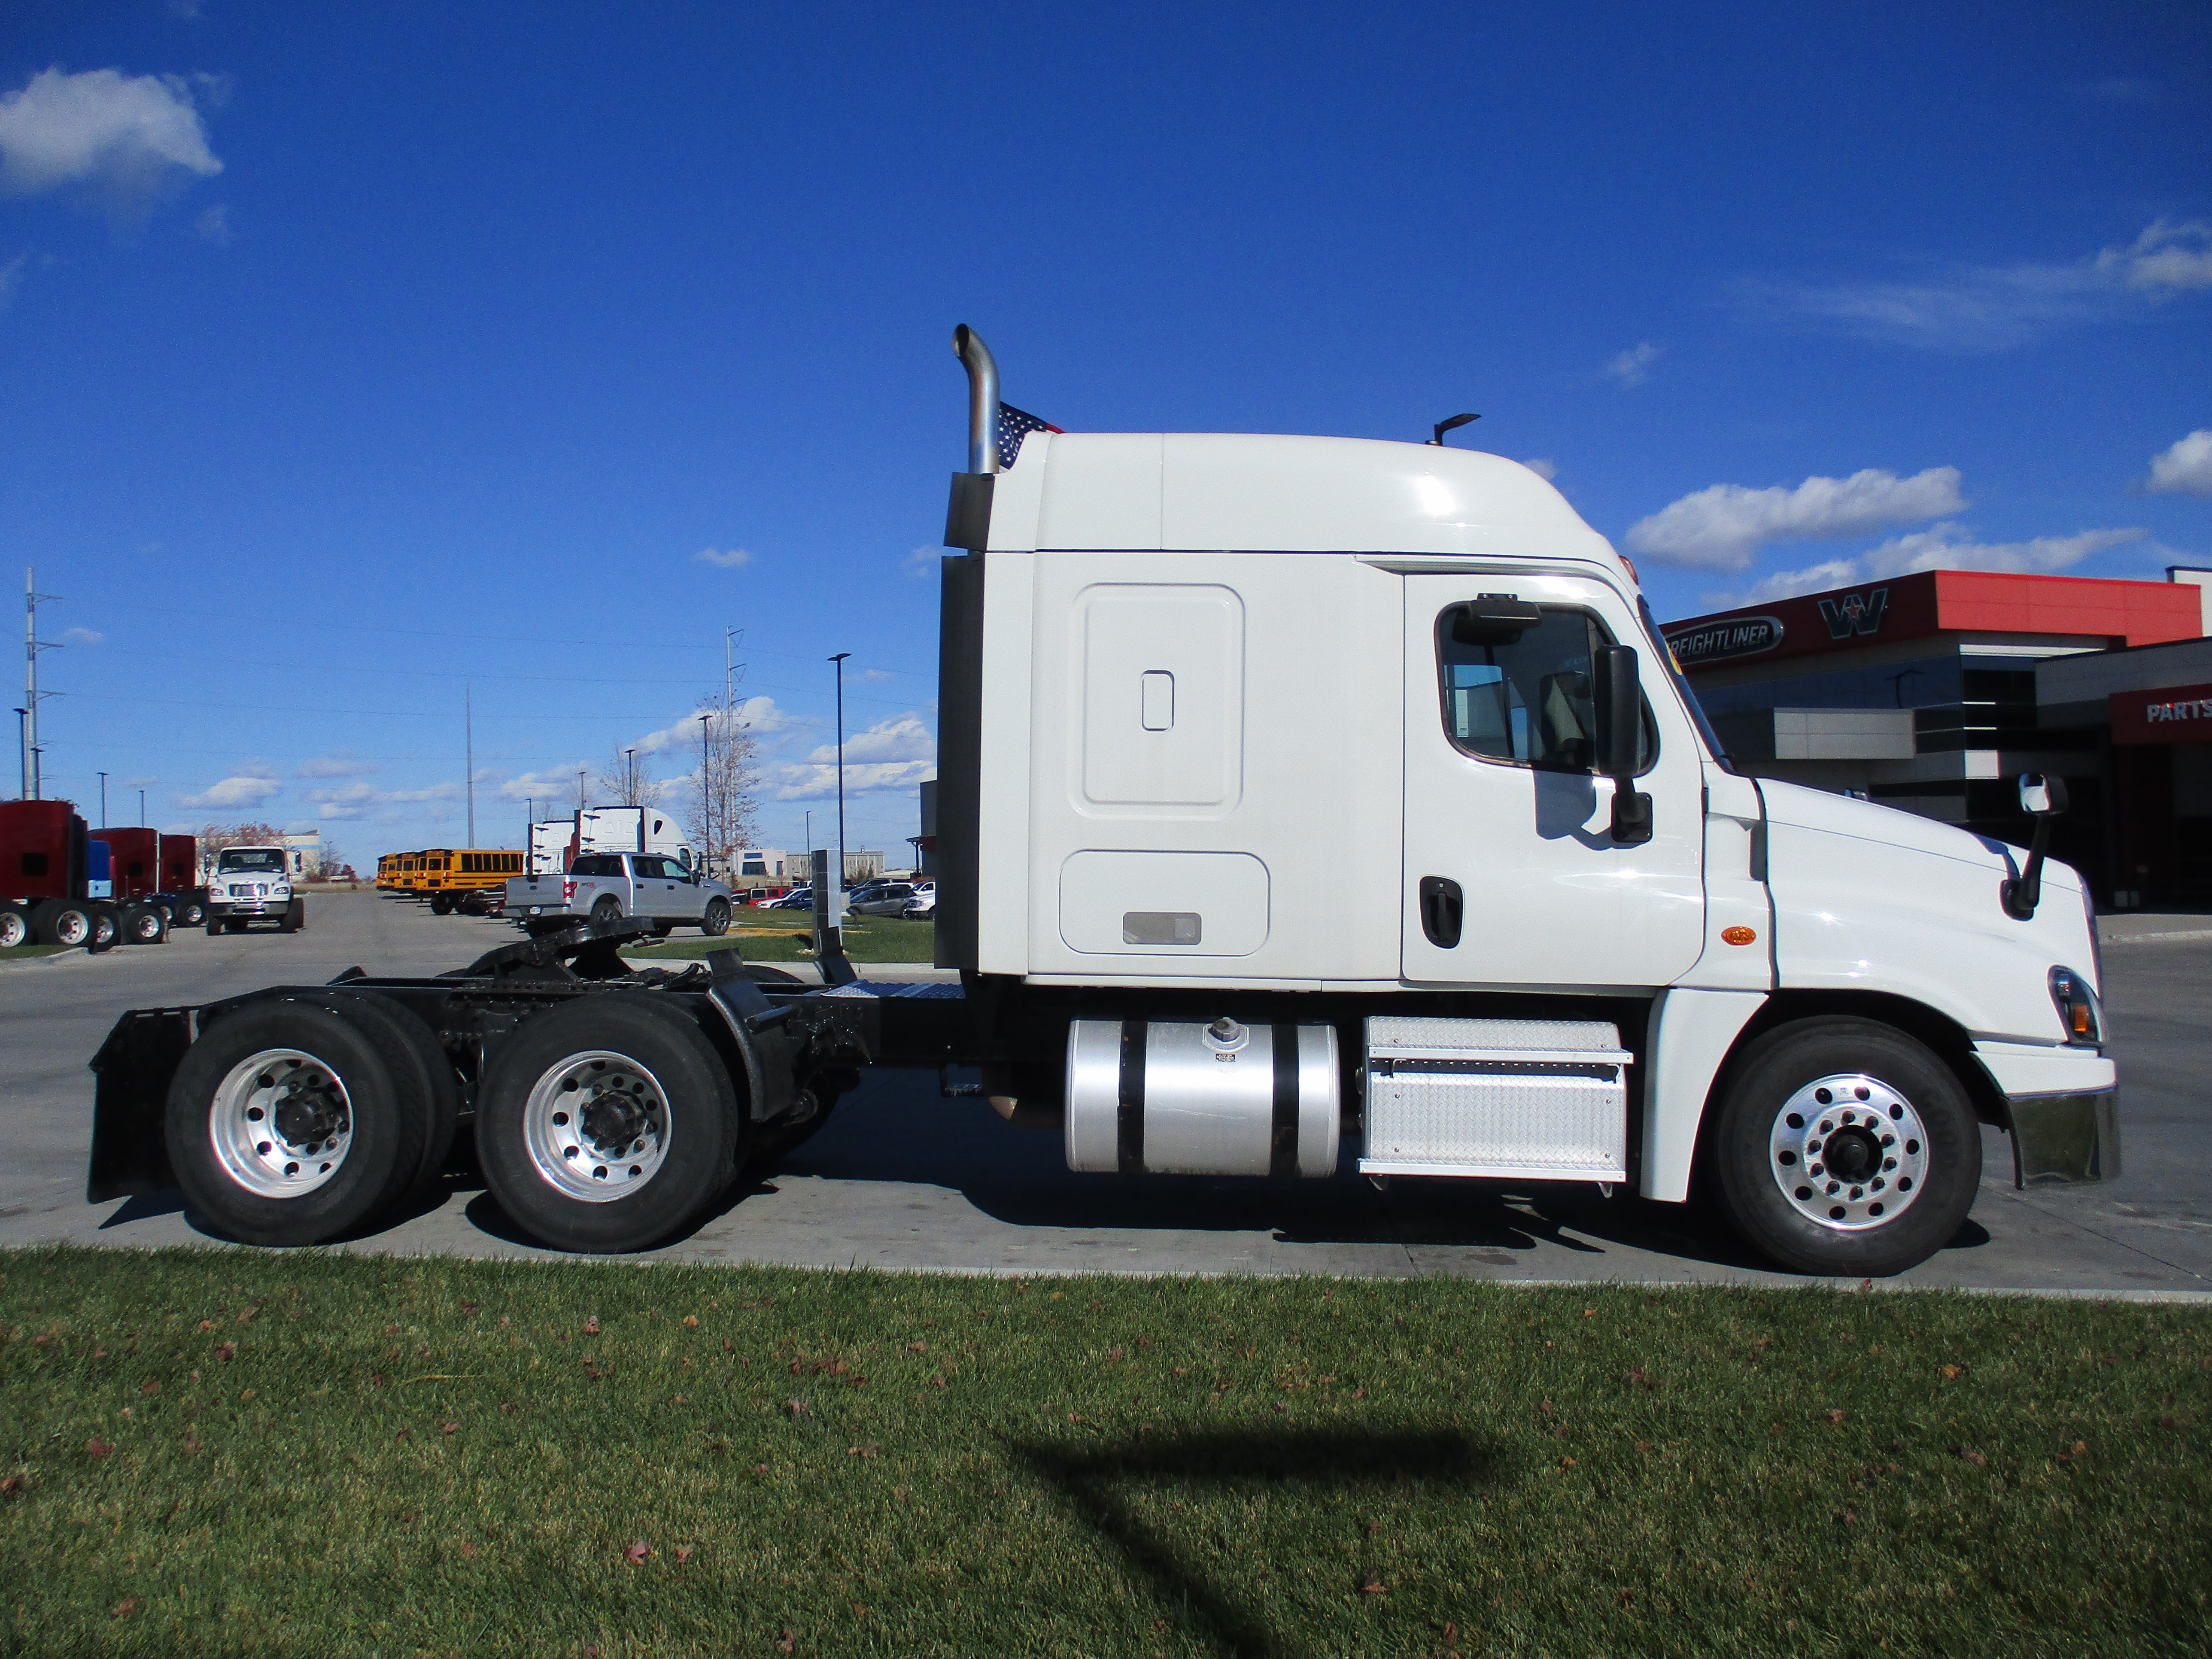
(1870, 898)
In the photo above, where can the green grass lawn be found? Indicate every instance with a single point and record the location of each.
(25, 953)
(789, 935)
(307, 1453)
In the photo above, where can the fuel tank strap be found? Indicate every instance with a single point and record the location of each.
(1129, 1123)
(1283, 1141)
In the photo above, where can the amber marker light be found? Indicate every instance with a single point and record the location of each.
(1738, 935)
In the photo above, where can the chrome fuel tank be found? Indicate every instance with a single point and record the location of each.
(1164, 1099)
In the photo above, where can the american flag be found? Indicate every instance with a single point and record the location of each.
(1014, 425)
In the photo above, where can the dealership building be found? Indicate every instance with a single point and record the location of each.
(1933, 691)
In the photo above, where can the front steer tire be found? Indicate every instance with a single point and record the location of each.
(1876, 1092)
(608, 1123)
(226, 1104)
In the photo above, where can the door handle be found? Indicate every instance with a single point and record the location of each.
(1442, 909)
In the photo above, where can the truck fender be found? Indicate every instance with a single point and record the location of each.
(135, 1066)
(753, 1027)
(1691, 1034)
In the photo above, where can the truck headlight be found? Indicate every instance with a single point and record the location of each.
(2077, 1007)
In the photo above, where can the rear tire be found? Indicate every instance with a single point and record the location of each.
(145, 924)
(606, 911)
(421, 1070)
(14, 928)
(441, 905)
(652, 1145)
(773, 1142)
(190, 913)
(262, 1101)
(716, 920)
(1844, 1147)
(66, 924)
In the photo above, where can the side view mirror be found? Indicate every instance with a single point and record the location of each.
(2042, 798)
(1618, 697)
(2042, 794)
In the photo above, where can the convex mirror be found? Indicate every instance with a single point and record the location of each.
(2042, 794)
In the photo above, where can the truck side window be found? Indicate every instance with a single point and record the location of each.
(1525, 697)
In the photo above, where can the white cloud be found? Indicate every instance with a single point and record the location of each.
(923, 562)
(1633, 366)
(246, 789)
(1942, 548)
(735, 558)
(760, 715)
(2183, 467)
(1720, 528)
(548, 788)
(1990, 308)
(82, 636)
(214, 224)
(339, 763)
(355, 800)
(819, 782)
(874, 676)
(122, 136)
(902, 737)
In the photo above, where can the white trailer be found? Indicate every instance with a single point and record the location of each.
(1306, 806)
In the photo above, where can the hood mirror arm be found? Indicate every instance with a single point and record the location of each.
(2043, 797)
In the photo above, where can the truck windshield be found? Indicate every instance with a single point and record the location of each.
(251, 858)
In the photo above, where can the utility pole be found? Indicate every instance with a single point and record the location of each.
(469, 728)
(32, 646)
(707, 792)
(142, 809)
(837, 915)
(530, 834)
(103, 801)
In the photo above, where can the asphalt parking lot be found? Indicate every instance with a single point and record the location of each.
(900, 1179)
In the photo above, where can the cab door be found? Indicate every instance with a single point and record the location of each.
(1512, 875)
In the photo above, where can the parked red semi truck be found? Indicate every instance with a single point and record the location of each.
(57, 886)
(158, 869)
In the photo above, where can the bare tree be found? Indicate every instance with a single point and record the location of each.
(721, 812)
(628, 776)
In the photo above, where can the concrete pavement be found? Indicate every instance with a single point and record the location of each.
(900, 1179)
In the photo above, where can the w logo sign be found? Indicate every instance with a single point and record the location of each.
(1854, 613)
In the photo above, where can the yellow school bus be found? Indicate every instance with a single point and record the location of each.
(387, 872)
(471, 878)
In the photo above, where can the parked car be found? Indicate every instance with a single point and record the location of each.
(923, 906)
(605, 887)
(798, 898)
(881, 898)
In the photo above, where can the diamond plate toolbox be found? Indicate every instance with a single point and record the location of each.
(1531, 1099)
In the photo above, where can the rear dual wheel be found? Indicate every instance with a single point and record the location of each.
(1846, 1148)
(14, 928)
(145, 924)
(300, 1120)
(608, 1123)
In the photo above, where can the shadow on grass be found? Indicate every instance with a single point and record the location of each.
(1092, 1479)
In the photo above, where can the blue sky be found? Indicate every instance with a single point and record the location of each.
(350, 356)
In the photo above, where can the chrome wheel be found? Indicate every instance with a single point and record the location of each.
(14, 929)
(1848, 1152)
(281, 1123)
(597, 1125)
(72, 927)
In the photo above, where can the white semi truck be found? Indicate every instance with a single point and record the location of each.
(1307, 806)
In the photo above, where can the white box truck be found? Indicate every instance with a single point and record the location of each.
(1307, 806)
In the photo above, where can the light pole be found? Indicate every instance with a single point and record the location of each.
(707, 792)
(142, 809)
(24, 743)
(629, 775)
(839, 889)
(103, 801)
(530, 834)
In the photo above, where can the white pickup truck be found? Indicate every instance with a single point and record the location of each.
(609, 886)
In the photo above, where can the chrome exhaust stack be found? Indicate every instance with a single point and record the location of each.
(982, 398)
(968, 514)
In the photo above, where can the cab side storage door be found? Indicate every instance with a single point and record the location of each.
(1512, 875)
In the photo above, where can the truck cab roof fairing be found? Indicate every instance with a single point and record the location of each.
(1206, 491)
